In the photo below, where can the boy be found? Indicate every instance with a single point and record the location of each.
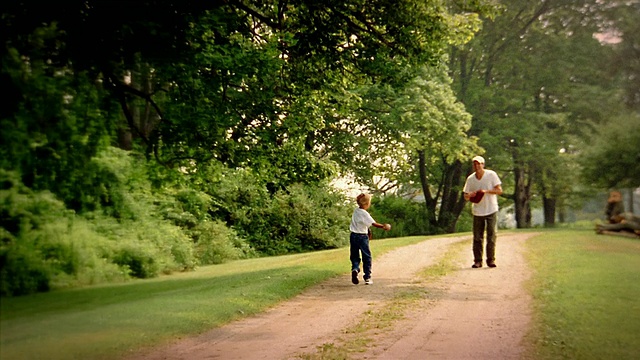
(361, 220)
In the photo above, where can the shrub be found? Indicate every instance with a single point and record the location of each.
(23, 266)
(216, 243)
(407, 217)
(170, 248)
(300, 218)
(45, 246)
(22, 271)
(138, 259)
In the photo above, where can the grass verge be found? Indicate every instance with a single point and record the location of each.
(106, 322)
(586, 296)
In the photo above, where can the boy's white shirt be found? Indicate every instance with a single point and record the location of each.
(489, 203)
(360, 221)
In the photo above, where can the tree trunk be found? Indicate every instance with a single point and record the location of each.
(449, 198)
(549, 205)
(125, 138)
(521, 198)
(452, 201)
(562, 214)
(430, 203)
(141, 118)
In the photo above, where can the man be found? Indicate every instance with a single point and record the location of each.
(482, 189)
(614, 208)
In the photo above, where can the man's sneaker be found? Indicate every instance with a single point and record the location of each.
(491, 264)
(354, 277)
(368, 281)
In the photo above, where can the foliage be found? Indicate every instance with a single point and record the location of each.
(139, 230)
(58, 126)
(46, 246)
(406, 136)
(536, 80)
(407, 216)
(130, 234)
(299, 218)
(215, 243)
(613, 159)
(624, 26)
(439, 142)
(396, 122)
(244, 83)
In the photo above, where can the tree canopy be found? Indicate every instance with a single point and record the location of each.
(243, 107)
(537, 81)
(231, 117)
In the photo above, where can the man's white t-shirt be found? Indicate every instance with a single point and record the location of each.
(360, 221)
(489, 203)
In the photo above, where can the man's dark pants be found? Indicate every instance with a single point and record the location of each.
(480, 223)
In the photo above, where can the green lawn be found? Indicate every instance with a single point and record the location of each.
(586, 294)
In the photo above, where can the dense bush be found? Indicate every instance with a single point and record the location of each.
(407, 217)
(22, 271)
(296, 220)
(136, 229)
(299, 218)
(59, 123)
(215, 243)
(138, 260)
(44, 245)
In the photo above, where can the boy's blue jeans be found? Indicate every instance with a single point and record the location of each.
(360, 244)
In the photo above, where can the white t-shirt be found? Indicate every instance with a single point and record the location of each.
(360, 221)
(489, 203)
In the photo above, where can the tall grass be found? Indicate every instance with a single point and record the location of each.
(586, 296)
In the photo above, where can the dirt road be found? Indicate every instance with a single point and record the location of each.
(468, 314)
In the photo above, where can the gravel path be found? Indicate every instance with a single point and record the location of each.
(468, 314)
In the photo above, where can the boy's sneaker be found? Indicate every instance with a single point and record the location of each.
(354, 277)
(368, 281)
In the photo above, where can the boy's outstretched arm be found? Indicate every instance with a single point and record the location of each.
(386, 227)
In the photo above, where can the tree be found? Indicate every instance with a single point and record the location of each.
(622, 30)
(613, 159)
(400, 138)
(612, 153)
(534, 81)
(247, 84)
(440, 124)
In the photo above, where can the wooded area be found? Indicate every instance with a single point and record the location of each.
(147, 137)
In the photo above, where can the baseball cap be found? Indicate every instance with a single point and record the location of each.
(479, 159)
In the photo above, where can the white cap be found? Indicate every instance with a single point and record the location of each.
(478, 158)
